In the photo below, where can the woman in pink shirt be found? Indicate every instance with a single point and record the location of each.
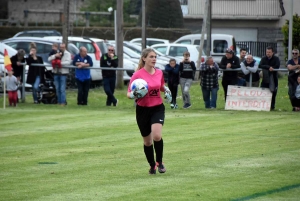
(150, 110)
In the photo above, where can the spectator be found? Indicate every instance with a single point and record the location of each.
(173, 80)
(270, 78)
(209, 82)
(293, 66)
(229, 61)
(56, 61)
(60, 74)
(186, 69)
(16, 61)
(109, 60)
(241, 75)
(294, 92)
(36, 74)
(294, 63)
(250, 66)
(83, 75)
(11, 86)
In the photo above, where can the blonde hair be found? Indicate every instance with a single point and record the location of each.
(145, 53)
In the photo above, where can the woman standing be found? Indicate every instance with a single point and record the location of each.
(35, 73)
(150, 110)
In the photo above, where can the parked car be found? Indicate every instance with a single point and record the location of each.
(177, 50)
(44, 46)
(92, 50)
(219, 43)
(150, 41)
(37, 33)
(11, 52)
(138, 49)
(254, 57)
(101, 44)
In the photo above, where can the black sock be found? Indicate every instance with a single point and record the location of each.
(159, 148)
(149, 155)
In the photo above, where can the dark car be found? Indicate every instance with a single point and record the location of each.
(37, 33)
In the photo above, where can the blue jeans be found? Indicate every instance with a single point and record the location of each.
(35, 88)
(83, 91)
(210, 97)
(60, 85)
(109, 84)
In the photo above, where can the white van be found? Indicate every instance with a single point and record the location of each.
(219, 43)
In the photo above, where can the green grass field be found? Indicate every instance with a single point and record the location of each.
(48, 152)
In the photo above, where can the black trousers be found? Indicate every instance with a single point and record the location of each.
(274, 93)
(174, 89)
(225, 84)
(83, 91)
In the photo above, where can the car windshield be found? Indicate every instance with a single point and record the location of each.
(89, 46)
(102, 47)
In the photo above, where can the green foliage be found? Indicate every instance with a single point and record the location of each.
(296, 34)
(107, 20)
(163, 14)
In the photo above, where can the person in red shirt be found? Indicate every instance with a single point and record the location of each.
(150, 110)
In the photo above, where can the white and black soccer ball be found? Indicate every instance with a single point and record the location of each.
(139, 84)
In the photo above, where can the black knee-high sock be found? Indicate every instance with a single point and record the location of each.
(159, 148)
(149, 155)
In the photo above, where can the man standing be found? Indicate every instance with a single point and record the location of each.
(229, 61)
(270, 78)
(82, 75)
(241, 76)
(209, 82)
(294, 63)
(250, 66)
(60, 74)
(293, 66)
(109, 60)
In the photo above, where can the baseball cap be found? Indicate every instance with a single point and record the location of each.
(228, 50)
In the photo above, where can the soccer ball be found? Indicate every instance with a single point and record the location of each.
(139, 84)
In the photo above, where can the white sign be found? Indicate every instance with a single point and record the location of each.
(248, 98)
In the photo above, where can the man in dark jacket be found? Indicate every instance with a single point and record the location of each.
(109, 60)
(270, 78)
(229, 61)
(173, 80)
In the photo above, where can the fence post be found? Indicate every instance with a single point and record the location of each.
(250, 80)
(26, 18)
(87, 19)
(24, 82)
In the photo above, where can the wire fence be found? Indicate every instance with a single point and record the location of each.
(123, 69)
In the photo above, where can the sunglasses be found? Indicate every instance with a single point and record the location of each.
(111, 50)
(294, 53)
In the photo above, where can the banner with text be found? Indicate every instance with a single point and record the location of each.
(248, 98)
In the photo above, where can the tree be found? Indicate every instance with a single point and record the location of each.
(163, 13)
(296, 34)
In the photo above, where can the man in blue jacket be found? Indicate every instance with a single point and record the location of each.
(82, 75)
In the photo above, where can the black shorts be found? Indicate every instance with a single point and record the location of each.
(146, 116)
